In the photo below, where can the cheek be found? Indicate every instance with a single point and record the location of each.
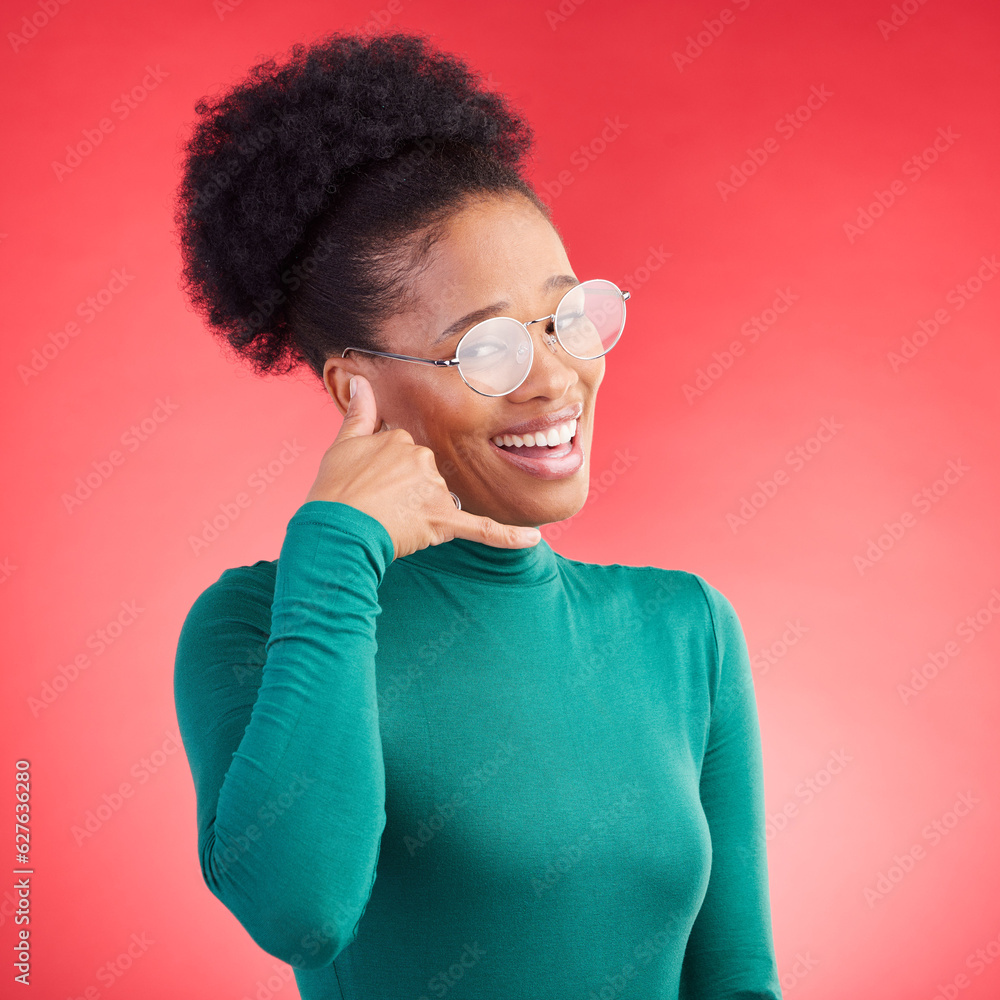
(470, 447)
(420, 410)
(455, 435)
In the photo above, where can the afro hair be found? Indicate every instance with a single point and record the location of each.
(303, 184)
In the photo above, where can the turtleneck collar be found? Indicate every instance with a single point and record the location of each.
(488, 563)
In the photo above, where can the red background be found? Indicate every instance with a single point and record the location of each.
(863, 629)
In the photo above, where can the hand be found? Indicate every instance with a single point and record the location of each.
(397, 482)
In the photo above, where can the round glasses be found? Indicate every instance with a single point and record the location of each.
(494, 356)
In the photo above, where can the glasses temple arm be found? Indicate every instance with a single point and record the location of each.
(441, 363)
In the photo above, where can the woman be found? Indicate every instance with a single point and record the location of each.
(433, 757)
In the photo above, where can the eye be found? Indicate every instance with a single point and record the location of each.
(484, 347)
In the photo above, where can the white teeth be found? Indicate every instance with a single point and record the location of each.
(559, 434)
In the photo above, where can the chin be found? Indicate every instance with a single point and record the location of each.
(561, 509)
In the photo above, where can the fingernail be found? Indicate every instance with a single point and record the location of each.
(353, 387)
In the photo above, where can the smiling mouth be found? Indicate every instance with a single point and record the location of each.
(546, 461)
(553, 442)
(539, 452)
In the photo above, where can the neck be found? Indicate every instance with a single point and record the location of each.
(478, 561)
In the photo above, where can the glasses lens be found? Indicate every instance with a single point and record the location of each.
(590, 318)
(494, 356)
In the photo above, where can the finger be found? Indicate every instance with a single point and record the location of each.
(362, 413)
(484, 529)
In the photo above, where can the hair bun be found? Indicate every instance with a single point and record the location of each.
(268, 155)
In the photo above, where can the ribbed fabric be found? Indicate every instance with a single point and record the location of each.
(478, 773)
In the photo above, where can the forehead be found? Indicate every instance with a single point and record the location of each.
(493, 248)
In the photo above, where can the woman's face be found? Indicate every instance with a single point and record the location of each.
(496, 250)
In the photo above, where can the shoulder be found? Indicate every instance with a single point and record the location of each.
(240, 591)
(220, 653)
(675, 581)
(677, 598)
(230, 617)
(725, 621)
(673, 592)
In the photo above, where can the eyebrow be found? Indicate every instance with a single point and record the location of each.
(557, 281)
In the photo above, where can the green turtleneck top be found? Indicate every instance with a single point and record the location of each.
(478, 773)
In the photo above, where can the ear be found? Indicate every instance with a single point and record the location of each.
(337, 382)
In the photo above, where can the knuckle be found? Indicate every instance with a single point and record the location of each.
(490, 529)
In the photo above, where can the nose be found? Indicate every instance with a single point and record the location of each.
(552, 371)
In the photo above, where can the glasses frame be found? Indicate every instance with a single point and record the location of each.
(551, 341)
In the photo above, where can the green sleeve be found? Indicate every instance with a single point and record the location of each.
(276, 702)
(730, 953)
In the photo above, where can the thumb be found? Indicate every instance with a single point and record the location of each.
(480, 528)
(362, 413)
